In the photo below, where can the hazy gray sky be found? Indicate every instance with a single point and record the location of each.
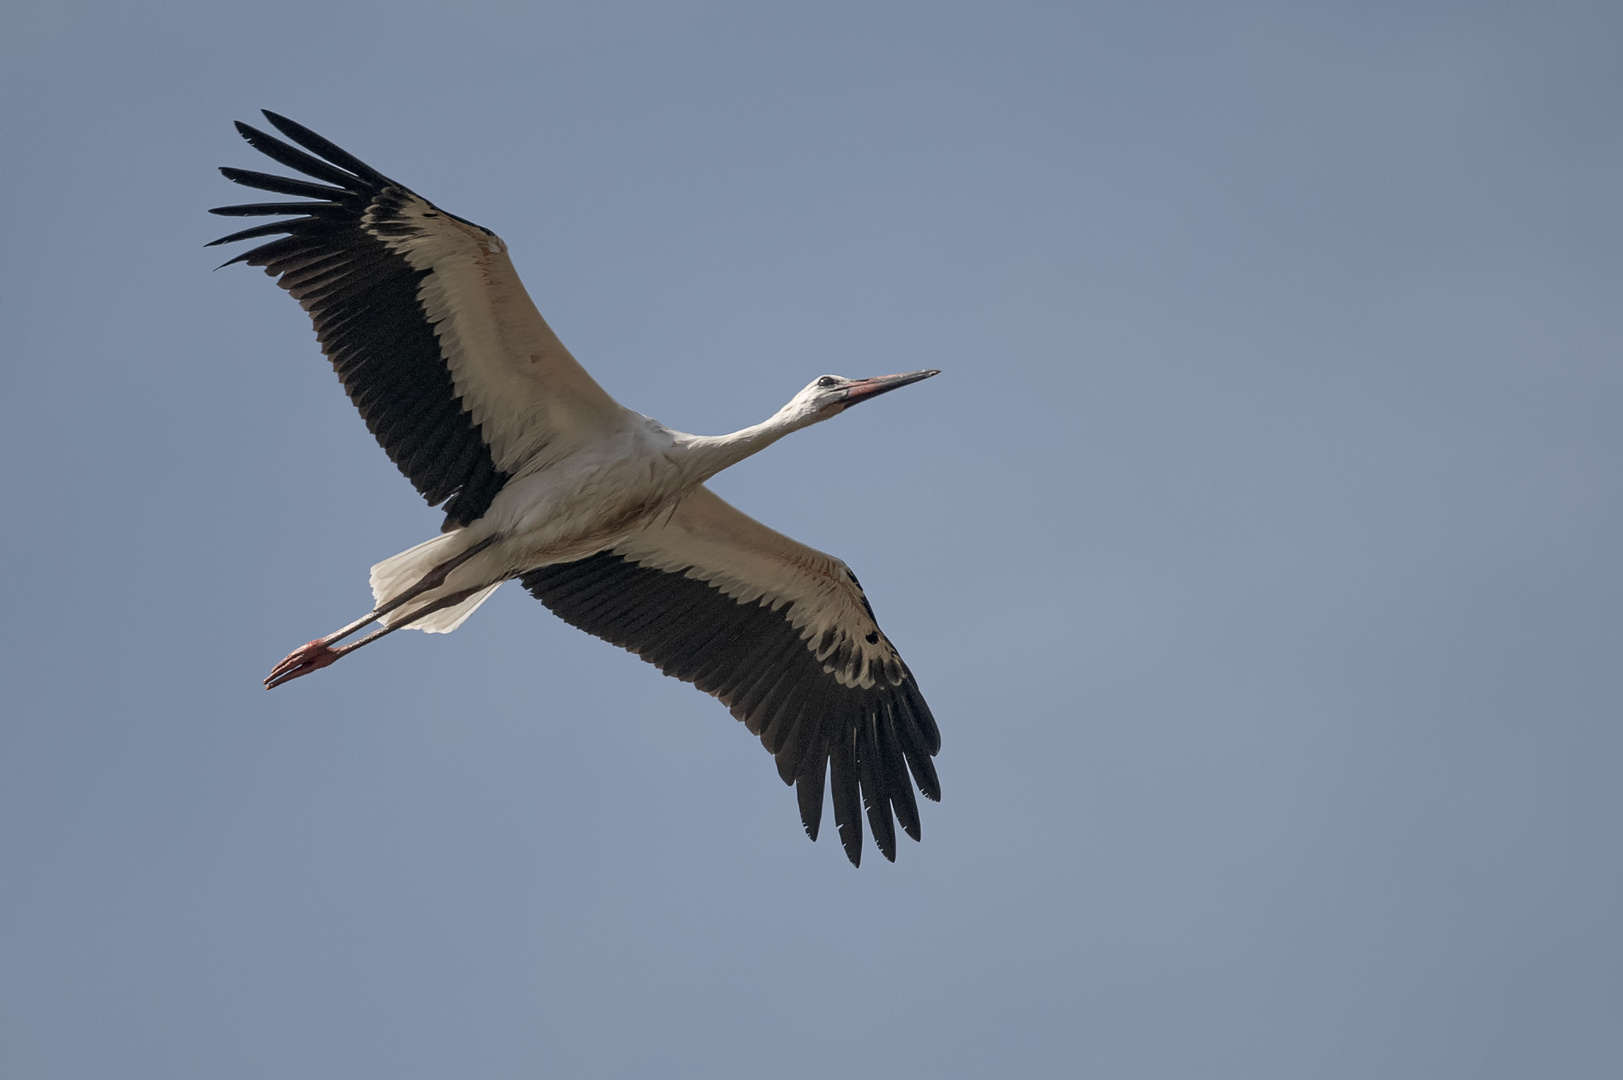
(1258, 548)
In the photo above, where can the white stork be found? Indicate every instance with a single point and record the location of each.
(598, 511)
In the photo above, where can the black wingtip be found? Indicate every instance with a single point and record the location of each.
(811, 817)
(294, 158)
(925, 777)
(324, 147)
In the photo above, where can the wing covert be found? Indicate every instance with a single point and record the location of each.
(783, 635)
(425, 321)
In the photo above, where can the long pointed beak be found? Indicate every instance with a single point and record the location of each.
(863, 389)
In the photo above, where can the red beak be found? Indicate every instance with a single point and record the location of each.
(863, 389)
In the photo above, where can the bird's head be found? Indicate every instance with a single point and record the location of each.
(830, 395)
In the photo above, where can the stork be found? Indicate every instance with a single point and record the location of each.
(600, 512)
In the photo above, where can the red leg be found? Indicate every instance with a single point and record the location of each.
(317, 654)
(302, 661)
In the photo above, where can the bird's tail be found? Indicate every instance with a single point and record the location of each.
(398, 573)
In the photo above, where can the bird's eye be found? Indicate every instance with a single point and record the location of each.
(827, 381)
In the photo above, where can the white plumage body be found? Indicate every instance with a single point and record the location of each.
(599, 511)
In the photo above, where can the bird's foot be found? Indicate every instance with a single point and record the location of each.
(312, 656)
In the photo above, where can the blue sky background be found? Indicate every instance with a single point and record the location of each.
(1258, 549)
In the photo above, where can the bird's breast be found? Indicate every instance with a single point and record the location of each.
(584, 503)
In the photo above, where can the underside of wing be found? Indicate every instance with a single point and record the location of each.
(424, 319)
(781, 634)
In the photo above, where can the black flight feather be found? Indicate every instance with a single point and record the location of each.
(754, 659)
(363, 300)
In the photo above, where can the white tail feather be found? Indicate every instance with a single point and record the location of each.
(448, 619)
(397, 573)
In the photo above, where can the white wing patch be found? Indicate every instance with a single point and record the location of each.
(707, 539)
(521, 385)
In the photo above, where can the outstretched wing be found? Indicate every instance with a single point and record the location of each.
(784, 636)
(425, 321)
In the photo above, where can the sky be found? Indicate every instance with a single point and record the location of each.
(1257, 548)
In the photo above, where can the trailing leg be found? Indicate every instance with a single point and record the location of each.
(318, 654)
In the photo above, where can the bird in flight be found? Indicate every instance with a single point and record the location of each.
(600, 512)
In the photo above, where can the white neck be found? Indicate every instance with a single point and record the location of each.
(707, 455)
